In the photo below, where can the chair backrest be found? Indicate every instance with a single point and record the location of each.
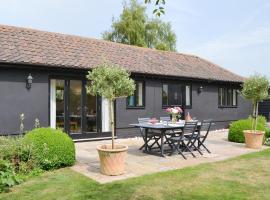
(190, 127)
(143, 120)
(205, 127)
(165, 119)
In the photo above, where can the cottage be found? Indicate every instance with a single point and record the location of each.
(43, 75)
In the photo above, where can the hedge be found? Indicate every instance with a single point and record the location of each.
(236, 128)
(53, 148)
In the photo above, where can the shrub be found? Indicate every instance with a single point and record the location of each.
(267, 136)
(267, 133)
(53, 148)
(18, 152)
(236, 128)
(8, 176)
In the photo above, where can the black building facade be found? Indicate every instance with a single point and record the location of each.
(58, 96)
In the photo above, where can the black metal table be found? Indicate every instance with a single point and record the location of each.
(162, 128)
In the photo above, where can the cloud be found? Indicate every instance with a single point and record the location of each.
(260, 36)
(244, 53)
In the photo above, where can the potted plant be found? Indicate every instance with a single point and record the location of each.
(111, 82)
(255, 89)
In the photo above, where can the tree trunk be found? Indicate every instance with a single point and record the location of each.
(256, 116)
(112, 121)
(253, 116)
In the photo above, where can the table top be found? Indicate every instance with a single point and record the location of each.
(161, 125)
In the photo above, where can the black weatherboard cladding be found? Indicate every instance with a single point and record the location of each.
(204, 106)
(15, 99)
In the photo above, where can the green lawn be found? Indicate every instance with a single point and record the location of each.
(245, 177)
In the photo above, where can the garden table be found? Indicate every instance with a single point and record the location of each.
(162, 128)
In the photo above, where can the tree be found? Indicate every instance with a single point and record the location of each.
(111, 82)
(134, 28)
(159, 9)
(255, 88)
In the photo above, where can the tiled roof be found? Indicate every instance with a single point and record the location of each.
(28, 46)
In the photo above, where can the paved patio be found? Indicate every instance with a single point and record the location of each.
(138, 163)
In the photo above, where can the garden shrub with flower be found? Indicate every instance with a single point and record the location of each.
(17, 161)
(41, 149)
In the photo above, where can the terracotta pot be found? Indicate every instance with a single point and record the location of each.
(254, 140)
(112, 161)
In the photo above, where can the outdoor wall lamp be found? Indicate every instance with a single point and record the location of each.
(29, 81)
(200, 89)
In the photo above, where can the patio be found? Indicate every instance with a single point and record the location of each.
(139, 163)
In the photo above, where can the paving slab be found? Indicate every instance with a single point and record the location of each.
(139, 163)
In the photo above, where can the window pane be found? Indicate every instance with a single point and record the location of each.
(224, 97)
(131, 100)
(188, 92)
(91, 113)
(220, 96)
(175, 95)
(229, 97)
(139, 94)
(165, 94)
(60, 85)
(75, 96)
(234, 97)
(137, 100)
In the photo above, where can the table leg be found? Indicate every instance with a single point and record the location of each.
(162, 142)
(145, 141)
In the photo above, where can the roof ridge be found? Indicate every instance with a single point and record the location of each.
(98, 40)
(221, 67)
(61, 49)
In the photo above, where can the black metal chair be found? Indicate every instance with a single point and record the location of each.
(150, 135)
(168, 119)
(203, 134)
(186, 140)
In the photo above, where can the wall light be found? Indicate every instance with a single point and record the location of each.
(29, 81)
(200, 89)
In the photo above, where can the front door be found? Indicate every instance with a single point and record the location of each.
(74, 110)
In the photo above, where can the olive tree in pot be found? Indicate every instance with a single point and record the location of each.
(255, 89)
(111, 82)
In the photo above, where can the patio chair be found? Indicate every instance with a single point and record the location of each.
(168, 119)
(186, 140)
(150, 135)
(203, 133)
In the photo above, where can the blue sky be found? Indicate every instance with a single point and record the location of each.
(233, 34)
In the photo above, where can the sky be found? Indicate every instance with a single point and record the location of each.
(233, 34)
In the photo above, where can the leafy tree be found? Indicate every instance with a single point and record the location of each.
(135, 28)
(159, 9)
(111, 82)
(255, 88)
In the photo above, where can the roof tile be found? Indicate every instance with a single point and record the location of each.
(23, 45)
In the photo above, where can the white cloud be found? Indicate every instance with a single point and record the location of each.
(259, 36)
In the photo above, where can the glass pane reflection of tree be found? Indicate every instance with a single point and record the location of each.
(60, 85)
(75, 110)
(91, 113)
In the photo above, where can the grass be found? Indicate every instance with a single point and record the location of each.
(245, 177)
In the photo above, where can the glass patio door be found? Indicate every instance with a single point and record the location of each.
(75, 107)
(73, 110)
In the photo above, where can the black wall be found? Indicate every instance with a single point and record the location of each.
(204, 106)
(34, 103)
(264, 109)
(16, 99)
